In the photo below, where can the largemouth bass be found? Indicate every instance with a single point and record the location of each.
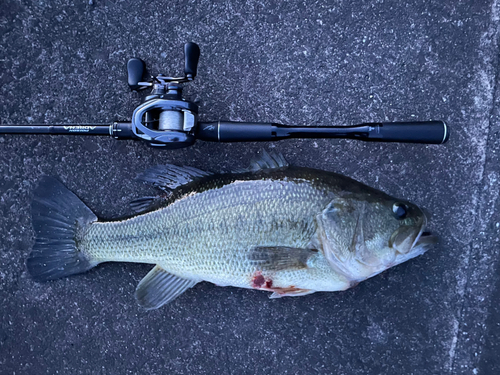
(288, 230)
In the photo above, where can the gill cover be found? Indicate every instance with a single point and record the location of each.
(361, 237)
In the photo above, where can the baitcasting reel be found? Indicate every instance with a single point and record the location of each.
(166, 119)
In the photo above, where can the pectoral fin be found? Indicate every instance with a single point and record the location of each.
(159, 287)
(280, 257)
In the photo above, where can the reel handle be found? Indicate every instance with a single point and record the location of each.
(191, 58)
(135, 72)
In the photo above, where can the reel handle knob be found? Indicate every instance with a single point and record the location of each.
(135, 72)
(191, 57)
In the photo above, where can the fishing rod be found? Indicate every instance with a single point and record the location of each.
(166, 119)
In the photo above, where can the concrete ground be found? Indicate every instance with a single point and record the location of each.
(327, 62)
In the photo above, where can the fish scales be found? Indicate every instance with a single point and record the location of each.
(208, 234)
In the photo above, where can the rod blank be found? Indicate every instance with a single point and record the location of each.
(76, 129)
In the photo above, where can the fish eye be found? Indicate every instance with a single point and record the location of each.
(400, 210)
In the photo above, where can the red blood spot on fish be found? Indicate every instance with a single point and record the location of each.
(258, 280)
(261, 282)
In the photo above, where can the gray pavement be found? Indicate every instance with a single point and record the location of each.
(324, 62)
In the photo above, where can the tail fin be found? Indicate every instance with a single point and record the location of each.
(59, 219)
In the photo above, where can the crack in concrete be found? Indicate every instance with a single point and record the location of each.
(488, 86)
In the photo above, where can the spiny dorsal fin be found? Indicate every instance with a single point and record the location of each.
(265, 160)
(159, 287)
(280, 257)
(171, 176)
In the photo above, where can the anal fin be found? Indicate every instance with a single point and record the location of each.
(159, 287)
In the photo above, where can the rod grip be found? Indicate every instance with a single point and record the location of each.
(433, 132)
(230, 131)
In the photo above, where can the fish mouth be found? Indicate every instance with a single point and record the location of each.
(424, 238)
(407, 240)
(420, 245)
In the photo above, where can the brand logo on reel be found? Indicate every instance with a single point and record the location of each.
(79, 129)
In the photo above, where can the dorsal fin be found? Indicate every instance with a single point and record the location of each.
(265, 160)
(146, 204)
(170, 176)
